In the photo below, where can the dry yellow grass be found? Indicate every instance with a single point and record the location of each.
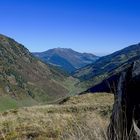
(82, 117)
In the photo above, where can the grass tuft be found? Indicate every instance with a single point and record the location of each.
(84, 117)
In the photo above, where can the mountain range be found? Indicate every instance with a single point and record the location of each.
(67, 59)
(107, 66)
(26, 80)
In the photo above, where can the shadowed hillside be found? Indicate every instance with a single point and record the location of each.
(107, 66)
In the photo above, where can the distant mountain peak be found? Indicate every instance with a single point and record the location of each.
(66, 58)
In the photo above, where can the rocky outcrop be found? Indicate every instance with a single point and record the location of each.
(126, 108)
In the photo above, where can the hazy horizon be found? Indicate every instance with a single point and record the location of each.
(91, 26)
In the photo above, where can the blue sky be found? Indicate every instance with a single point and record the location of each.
(95, 26)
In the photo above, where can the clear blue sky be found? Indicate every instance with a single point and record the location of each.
(96, 26)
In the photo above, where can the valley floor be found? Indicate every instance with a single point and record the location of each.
(83, 117)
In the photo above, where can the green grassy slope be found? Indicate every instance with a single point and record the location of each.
(24, 77)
